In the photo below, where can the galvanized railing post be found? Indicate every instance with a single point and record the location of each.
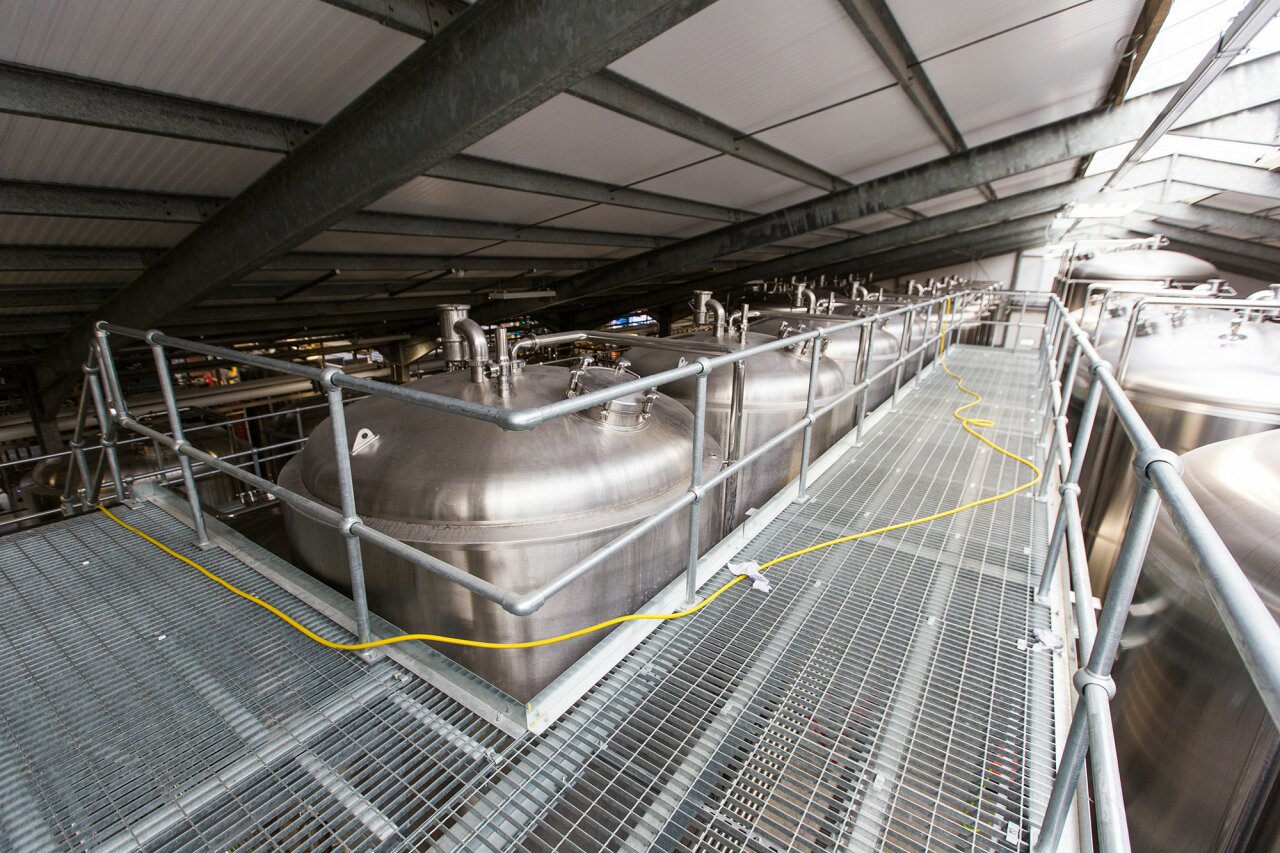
(179, 438)
(901, 361)
(862, 375)
(695, 479)
(1083, 432)
(347, 504)
(107, 423)
(806, 448)
(78, 460)
(924, 346)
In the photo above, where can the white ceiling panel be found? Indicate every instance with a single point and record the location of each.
(295, 57)
(755, 63)
(1242, 203)
(67, 231)
(810, 241)
(1033, 118)
(389, 244)
(933, 28)
(569, 135)
(727, 181)
(626, 220)
(38, 150)
(916, 150)
(1036, 178)
(1042, 71)
(521, 249)
(949, 202)
(854, 137)
(1230, 232)
(457, 200)
(874, 222)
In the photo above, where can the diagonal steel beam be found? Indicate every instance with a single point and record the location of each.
(28, 258)
(52, 95)
(421, 18)
(1247, 23)
(881, 30)
(1257, 252)
(1260, 126)
(1214, 217)
(1243, 87)
(498, 61)
(36, 199)
(1226, 177)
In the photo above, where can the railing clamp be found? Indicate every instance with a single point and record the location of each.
(1084, 677)
(1143, 461)
(1069, 489)
(1101, 365)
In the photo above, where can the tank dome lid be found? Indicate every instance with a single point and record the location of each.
(1144, 265)
(422, 466)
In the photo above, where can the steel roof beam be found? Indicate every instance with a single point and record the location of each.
(40, 93)
(1247, 23)
(1243, 87)
(1258, 252)
(421, 18)
(499, 61)
(1225, 177)
(1260, 125)
(37, 199)
(881, 30)
(1213, 217)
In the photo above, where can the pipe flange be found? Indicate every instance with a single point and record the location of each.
(1083, 678)
(1143, 461)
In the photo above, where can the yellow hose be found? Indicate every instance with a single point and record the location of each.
(966, 422)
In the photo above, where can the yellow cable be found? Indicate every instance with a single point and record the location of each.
(966, 422)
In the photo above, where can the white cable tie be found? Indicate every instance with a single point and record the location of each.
(752, 570)
(1047, 640)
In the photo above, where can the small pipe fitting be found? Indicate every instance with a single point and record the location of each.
(477, 346)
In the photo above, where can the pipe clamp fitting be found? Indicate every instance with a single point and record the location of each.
(347, 524)
(1143, 461)
(326, 378)
(1083, 678)
(1069, 489)
(1102, 365)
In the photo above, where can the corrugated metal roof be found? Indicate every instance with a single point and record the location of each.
(295, 57)
(949, 202)
(726, 180)
(1242, 203)
(69, 231)
(571, 136)
(389, 244)
(855, 136)
(933, 28)
(608, 217)
(1036, 73)
(521, 249)
(436, 197)
(1043, 177)
(755, 63)
(39, 150)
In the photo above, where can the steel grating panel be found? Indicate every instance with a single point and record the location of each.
(142, 706)
(886, 695)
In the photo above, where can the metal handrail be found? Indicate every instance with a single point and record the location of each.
(334, 381)
(1247, 619)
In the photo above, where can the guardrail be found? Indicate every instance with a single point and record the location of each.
(1158, 471)
(102, 387)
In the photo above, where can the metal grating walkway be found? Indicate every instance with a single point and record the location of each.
(887, 694)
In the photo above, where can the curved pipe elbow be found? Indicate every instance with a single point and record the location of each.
(477, 346)
(523, 605)
(720, 322)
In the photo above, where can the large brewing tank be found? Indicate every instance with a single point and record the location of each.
(1138, 266)
(516, 508)
(1197, 376)
(138, 461)
(844, 347)
(774, 388)
(1198, 753)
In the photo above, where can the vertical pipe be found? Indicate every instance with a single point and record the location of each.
(78, 458)
(109, 397)
(737, 435)
(180, 440)
(695, 481)
(924, 347)
(815, 356)
(347, 497)
(1133, 550)
(1070, 764)
(1022, 313)
(107, 455)
(1078, 450)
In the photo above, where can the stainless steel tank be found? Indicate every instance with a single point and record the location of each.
(1198, 753)
(844, 347)
(516, 508)
(1138, 266)
(775, 388)
(1197, 376)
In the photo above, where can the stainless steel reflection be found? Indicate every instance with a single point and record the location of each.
(1197, 376)
(515, 508)
(1197, 749)
(773, 388)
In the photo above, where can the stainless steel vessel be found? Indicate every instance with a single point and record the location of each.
(773, 388)
(1198, 753)
(516, 508)
(1136, 266)
(1197, 376)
